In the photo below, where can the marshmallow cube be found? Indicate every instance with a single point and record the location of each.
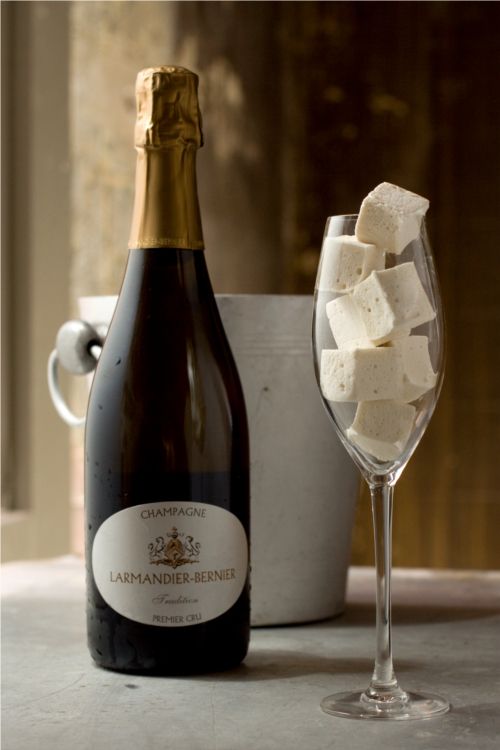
(390, 217)
(346, 324)
(418, 375)
(361, 374)
(346, 261)
(391, 300)
(382, 428)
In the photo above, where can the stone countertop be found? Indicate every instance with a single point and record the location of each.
(446, 640)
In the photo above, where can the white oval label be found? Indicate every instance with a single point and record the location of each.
(171, 564)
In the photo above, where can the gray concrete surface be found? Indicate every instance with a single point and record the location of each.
(446, 640)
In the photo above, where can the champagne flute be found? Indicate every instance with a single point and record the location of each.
(384, 698)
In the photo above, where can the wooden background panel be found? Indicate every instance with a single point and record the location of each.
(407, 92)
(307, 106)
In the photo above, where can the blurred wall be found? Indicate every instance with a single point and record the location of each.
(306, 107)
(35, 271)
(407, 92)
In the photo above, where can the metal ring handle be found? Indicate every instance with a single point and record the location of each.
(78, 347)
(55, 392)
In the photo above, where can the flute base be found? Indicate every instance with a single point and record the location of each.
(406, 706)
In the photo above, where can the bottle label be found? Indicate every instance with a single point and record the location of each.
(171, 564)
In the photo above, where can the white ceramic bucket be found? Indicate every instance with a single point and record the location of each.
(303, 484)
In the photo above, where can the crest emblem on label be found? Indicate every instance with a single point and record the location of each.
(174, 552)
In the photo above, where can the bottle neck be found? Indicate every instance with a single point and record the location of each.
(166, 209)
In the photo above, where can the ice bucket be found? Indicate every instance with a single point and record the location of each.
(303, 484)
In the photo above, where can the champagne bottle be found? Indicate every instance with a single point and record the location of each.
(166, 465)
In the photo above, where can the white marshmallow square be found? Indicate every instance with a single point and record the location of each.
(346, 323)
(391, 300)
(382, 428)
(361, 374)
(345, 261)
(390, 217)
(418, 375)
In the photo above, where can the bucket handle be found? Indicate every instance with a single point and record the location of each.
(78, 348)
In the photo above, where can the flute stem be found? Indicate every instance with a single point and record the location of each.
(384, 685)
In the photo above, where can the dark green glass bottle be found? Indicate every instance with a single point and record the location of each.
(167, 465)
